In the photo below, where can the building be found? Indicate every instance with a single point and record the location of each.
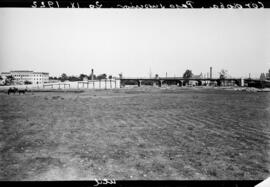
(30, 76)
(268, 75)
(194, 82)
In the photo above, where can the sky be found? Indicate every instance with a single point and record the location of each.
(135, 42)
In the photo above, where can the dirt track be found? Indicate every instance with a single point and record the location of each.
(135, 134)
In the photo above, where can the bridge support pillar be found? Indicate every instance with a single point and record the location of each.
(218, 82)
(160, 83)
(139, 83)
(180, 83)
(238, 82)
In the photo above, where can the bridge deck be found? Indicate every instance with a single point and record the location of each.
(180, 78)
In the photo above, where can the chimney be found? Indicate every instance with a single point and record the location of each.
(92, 74)
(210, 72)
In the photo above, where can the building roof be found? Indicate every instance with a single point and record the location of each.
(41, 72)
(197, 76)
(22, 71)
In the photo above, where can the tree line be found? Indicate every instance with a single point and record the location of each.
(81, 77)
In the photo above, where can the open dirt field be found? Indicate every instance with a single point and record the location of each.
(139, 133)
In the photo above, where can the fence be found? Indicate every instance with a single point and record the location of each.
(95, 84)
(99, 84)
(59, 85)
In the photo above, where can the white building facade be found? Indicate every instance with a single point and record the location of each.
(30, 76)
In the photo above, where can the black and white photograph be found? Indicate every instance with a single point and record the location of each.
(134, 94)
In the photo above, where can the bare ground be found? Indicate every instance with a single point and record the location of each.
(138, 133)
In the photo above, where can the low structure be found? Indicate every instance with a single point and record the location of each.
(194, 82)
(22, 76)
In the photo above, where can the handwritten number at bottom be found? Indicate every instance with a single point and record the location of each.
(104, 181)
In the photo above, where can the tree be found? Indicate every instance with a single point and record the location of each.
(9, 80)
(268, 75)
(73, 78)
(27, 82)
(120, 75)
(156, 76)
(53, 78)
(10, 77)
(1, 81)
(81, 77)
(110, 77)
(188, 74)
(262, 77)
(90, 77)
(102, 76)
(223, 74)
(64, 77)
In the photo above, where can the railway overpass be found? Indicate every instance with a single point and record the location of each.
(180, 81)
